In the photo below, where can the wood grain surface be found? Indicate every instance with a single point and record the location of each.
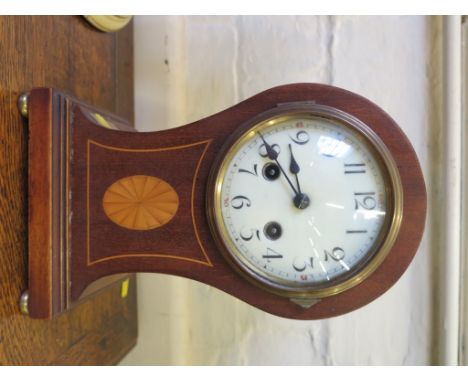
(66, 53)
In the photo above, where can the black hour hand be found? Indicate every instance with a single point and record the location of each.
(293, 166)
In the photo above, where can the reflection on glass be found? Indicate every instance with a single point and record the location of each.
(321, 264)
(332, 147)
(345, 266)
(334, 205)
(368, 215)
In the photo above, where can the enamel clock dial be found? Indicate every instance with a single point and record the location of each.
(306, 202)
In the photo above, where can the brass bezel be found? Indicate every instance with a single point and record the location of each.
(376, 254)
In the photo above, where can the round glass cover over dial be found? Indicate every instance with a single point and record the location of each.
(303, 203)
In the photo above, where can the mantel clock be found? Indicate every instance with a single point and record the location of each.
(306, 201)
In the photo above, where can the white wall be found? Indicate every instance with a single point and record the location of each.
(190, 67)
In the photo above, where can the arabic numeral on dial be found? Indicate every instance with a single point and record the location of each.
(336, 254)
(364, 200)
(301, 138)
(240, 201)
(354, 168)
(262, 151)
(250, 234)
(272, 254)
(300, 266)
(254, 172)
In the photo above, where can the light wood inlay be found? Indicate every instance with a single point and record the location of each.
(140, 202)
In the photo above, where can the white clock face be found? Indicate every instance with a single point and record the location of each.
(302, 201)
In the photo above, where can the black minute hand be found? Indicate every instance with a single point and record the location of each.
(273, 155)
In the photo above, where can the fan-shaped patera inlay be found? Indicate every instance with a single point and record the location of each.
(140, 202)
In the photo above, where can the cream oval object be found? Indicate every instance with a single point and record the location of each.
(336, 239)
(108, 23)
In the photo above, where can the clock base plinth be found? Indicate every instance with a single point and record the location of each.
(95, 213)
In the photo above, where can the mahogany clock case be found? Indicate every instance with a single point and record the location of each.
(76, 153)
